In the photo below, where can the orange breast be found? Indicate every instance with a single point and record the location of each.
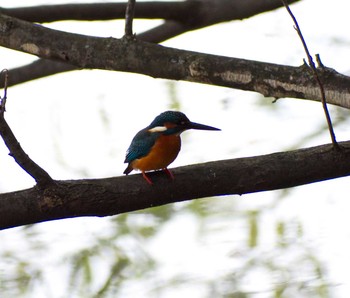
(162, 154)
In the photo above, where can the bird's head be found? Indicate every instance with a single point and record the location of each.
(172, 122)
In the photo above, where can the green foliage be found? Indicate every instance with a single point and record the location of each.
(18, 279)
(120, 256)
(253, 228)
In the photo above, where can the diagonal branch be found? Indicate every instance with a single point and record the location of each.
(180, 17)
(144, 58)
(41, 177)
(38, 69)
(103, 197)
(315, 74)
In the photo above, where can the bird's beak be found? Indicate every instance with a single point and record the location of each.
(194, 125)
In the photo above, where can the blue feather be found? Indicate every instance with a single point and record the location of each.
(141, 144)
(144, 140)
(169, 116)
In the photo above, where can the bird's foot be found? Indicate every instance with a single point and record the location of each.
(169, 173)
(149, 181)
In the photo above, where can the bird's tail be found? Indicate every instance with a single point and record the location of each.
(128, 169)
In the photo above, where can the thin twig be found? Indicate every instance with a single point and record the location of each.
(319, 62)
(4, 72)
(129, 17)
(316, 76)
(41, 177)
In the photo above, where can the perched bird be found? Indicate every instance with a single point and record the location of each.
(156, 146)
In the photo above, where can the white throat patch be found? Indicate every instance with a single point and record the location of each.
(158, 129)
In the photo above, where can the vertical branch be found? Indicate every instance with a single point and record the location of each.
(129, 17)
(316, 76)
(5, 72)
(41, 177)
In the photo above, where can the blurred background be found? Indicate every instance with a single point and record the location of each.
(288, 243)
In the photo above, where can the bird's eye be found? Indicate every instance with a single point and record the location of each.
(182, 122)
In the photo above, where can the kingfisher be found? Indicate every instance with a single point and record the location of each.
(156, 146)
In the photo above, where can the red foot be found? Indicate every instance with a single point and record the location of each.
(149, 181)
(170, 174)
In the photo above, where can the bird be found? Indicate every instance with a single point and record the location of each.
(157, 146)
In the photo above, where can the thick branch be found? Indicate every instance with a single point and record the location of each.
(198, 13)
(102, 197)
(101, 11)
(144, 58)
(36, 70)
(180, 17)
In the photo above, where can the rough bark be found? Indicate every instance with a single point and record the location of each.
(179, 17)
(103, 197)
(136, 56)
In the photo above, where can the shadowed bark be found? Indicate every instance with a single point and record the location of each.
(103, 197)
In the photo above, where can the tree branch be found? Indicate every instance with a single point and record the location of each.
(199, 13)
(172, 10)
(129, 18)
(38, 69)
(315, 73)
(181, 17)
(139, 57)
(103, 197)
(41, 177)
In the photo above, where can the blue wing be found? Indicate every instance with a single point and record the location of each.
(141, 145)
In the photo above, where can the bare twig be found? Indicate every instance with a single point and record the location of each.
(129, 17)
(4, 72)
(41, 177)
(315, 74)
(319, 62)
